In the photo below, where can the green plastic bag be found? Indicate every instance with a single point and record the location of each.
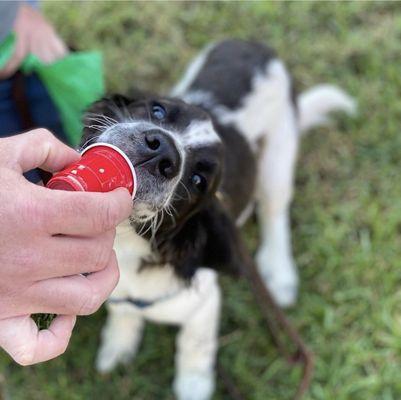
(6, 49)
(73, 83)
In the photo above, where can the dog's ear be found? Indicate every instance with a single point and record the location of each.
(109, 106)
(106, 110)
(210, 239)
(102, 113)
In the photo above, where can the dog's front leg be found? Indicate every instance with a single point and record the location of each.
(120, 336)
(197, 344)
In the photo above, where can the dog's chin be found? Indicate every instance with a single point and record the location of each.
(144, 211)
(152, 196)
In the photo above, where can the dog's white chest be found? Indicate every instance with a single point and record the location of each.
(174, 300)
(148, 284)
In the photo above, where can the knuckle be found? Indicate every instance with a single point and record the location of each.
(110, 216)
(113, 233)
(101, 256)
(91, 302)
(115, 272)
(43, 134)
(116, 275)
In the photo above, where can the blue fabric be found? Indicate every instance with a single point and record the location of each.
(42, 110)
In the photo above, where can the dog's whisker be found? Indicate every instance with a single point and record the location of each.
(187, 190)
(88, 142)
(170, 210)
(102, 120)
(92, 115)
(97, 127)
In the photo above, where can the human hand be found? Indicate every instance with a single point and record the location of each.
(48, 238)
(34, 35)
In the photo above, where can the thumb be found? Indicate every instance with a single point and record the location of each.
(21, 339)
(36, 148)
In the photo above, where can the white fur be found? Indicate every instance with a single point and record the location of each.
(191, 73)
(194, 307)
(316, 103)
(261, 108)
(199, 97)
(121, 336)
(245, 214)
(199, 133)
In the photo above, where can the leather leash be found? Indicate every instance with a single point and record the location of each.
(278, 325)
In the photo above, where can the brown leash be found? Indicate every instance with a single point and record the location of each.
(20, 99)
(278, 325)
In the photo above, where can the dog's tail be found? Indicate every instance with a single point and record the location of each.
(317, 103)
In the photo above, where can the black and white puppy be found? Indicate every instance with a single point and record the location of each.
(225, 140)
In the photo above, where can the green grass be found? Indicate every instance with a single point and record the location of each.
(346, 214)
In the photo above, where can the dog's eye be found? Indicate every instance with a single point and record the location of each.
(198, 182)
(158, 111)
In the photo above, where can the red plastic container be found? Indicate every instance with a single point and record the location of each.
(102, 168)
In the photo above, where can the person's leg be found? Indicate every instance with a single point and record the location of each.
(10, 123)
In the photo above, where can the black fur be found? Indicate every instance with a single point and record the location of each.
(208, 238)
(229, 69)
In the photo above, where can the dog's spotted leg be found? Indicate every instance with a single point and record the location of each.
(274, 257)
(120, 336)
(197, 345)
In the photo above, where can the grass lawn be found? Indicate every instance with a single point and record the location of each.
(346, 215)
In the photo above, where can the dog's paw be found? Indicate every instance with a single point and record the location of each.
(110, 355)
(194, 386)
(280, 277)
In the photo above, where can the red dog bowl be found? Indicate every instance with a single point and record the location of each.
(102, 168)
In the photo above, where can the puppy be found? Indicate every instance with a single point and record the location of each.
(225, 140)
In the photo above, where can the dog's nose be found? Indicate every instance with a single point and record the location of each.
(165, 159)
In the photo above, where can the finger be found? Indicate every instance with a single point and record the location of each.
(81, 213)
(74, 295)
(51, 51)
(37, 148)
(42, 51)
(21, 339)
(66, 256)
(60, 50)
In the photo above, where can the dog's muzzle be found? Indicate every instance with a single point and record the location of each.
(159, 155)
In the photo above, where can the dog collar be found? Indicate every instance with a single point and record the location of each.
(141, 303)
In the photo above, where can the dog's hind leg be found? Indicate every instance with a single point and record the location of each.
(197, 345)
(120, 336)
(274, 257)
